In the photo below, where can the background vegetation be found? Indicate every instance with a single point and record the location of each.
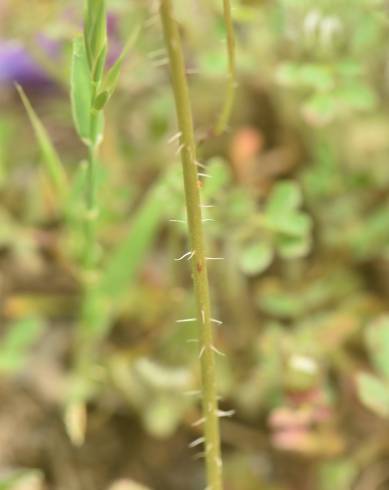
(94, 386)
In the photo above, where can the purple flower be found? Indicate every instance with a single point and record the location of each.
(17, 65)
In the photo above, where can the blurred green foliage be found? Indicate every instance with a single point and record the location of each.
(299, 189)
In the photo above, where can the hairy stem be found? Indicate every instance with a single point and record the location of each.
(225, 115)
(196, 239)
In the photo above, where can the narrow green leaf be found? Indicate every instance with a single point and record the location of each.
(113, 73)
(81, 90)
(127, 258)
(50, 156)
(96, 29)
(374, 393)
(19, 338)
(98, 68)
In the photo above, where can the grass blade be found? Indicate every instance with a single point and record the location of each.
(81, 90)
(50, 156)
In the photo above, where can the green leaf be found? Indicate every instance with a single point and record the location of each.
(81, 90)
(256, 257)
(21, 478)
(294, 224)
(112, 77)
(285, 196)
(101, 100)
(128, 257)
(221, 176)
(163, 416)
(95, 30)
(98, 68)
(358, 96)
(337, 474)
(19, 338)
(293, 247)
(377, 337)
(374, 393)
(50, 156)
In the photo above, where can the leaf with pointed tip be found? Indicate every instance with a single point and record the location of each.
(98, 68)
(50, 156)
(19, 338)
(112, 76)
(81, 90)
(95, 29)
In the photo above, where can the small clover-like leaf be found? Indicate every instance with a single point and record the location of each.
(374, 393)
(256, 257)
(293, 247)
(285, 196)
(295, 224)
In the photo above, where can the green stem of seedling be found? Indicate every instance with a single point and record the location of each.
(91, 203)
(196, 238)
(225, 115)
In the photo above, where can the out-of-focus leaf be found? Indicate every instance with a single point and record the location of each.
(81, 90)
(127, 258)
(163, 416)
(112, 77)
(256, 257)
(377, 336)
(293, 247)
(357, 96)
(220, 176)
(161, 377)
(15, 345)
(51, 159)
(22, 479)
(285, 196)
(374, 393)
(337, 475)
(295, 224)
(308, 75)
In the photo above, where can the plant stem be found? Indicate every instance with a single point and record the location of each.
(225, 115)
(196, 239)
(91, 203)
